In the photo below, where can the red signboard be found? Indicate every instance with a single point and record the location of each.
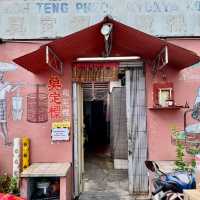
(98, 72)
(54, 88)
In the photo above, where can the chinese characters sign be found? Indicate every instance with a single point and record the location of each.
(59, 99)
(99, 72)
(57, 18)
(55, 100)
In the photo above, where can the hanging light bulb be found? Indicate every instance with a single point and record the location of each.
(106, 30)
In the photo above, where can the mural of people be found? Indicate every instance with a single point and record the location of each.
(197, 100)
(196, 108)
(195, 127)
(5, 87)
(17, 106)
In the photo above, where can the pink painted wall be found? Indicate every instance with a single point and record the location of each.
(65, 187)
(159, 123)
(42, 150)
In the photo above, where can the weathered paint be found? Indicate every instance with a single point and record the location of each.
(46, 18)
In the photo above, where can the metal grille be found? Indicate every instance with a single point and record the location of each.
(95, 91)
(126, 64)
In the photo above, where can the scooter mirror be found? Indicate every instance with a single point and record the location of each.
(151, 165)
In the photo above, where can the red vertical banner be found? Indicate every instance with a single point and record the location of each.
(55, 97)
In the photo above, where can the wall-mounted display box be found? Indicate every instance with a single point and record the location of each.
(163, 97)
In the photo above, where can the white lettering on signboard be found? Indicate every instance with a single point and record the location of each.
(60, 131)
(29, 19)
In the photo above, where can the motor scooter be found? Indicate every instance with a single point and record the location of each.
(169, 186)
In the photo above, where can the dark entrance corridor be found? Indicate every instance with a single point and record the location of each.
(96, 133)
(101, 180)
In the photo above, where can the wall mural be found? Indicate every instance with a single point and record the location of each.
(57, 98)
(37, 105)
(17, 106)
(5, 87)
(190, 136)
(37, 102)
(196, 107)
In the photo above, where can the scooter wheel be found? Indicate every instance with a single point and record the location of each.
(174, 196)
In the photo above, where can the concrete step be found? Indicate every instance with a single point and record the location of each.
(104, 196)
(108, 195)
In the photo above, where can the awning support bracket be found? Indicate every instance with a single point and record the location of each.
(161, 60)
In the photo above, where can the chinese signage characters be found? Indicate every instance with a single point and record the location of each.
(57, 18)
(99, 72)
(55, 97)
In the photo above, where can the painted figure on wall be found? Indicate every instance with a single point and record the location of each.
(17, 106)
(5, 87)
(190, 136)
(196, 108)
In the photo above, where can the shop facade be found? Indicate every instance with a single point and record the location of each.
(52, 68)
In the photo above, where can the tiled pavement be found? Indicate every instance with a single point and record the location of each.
(102, 182)
(104, 195)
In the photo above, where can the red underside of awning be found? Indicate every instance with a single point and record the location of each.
(89, 42)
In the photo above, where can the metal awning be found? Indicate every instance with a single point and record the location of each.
(127, 41)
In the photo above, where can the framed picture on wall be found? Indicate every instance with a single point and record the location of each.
(163, 94)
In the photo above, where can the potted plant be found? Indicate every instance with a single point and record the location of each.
(13, 186)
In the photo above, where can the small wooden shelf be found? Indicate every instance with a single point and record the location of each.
(166, 108)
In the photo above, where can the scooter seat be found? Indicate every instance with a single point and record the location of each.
(183, 177)
(183, 180)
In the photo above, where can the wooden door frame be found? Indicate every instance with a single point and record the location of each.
(78, 151)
